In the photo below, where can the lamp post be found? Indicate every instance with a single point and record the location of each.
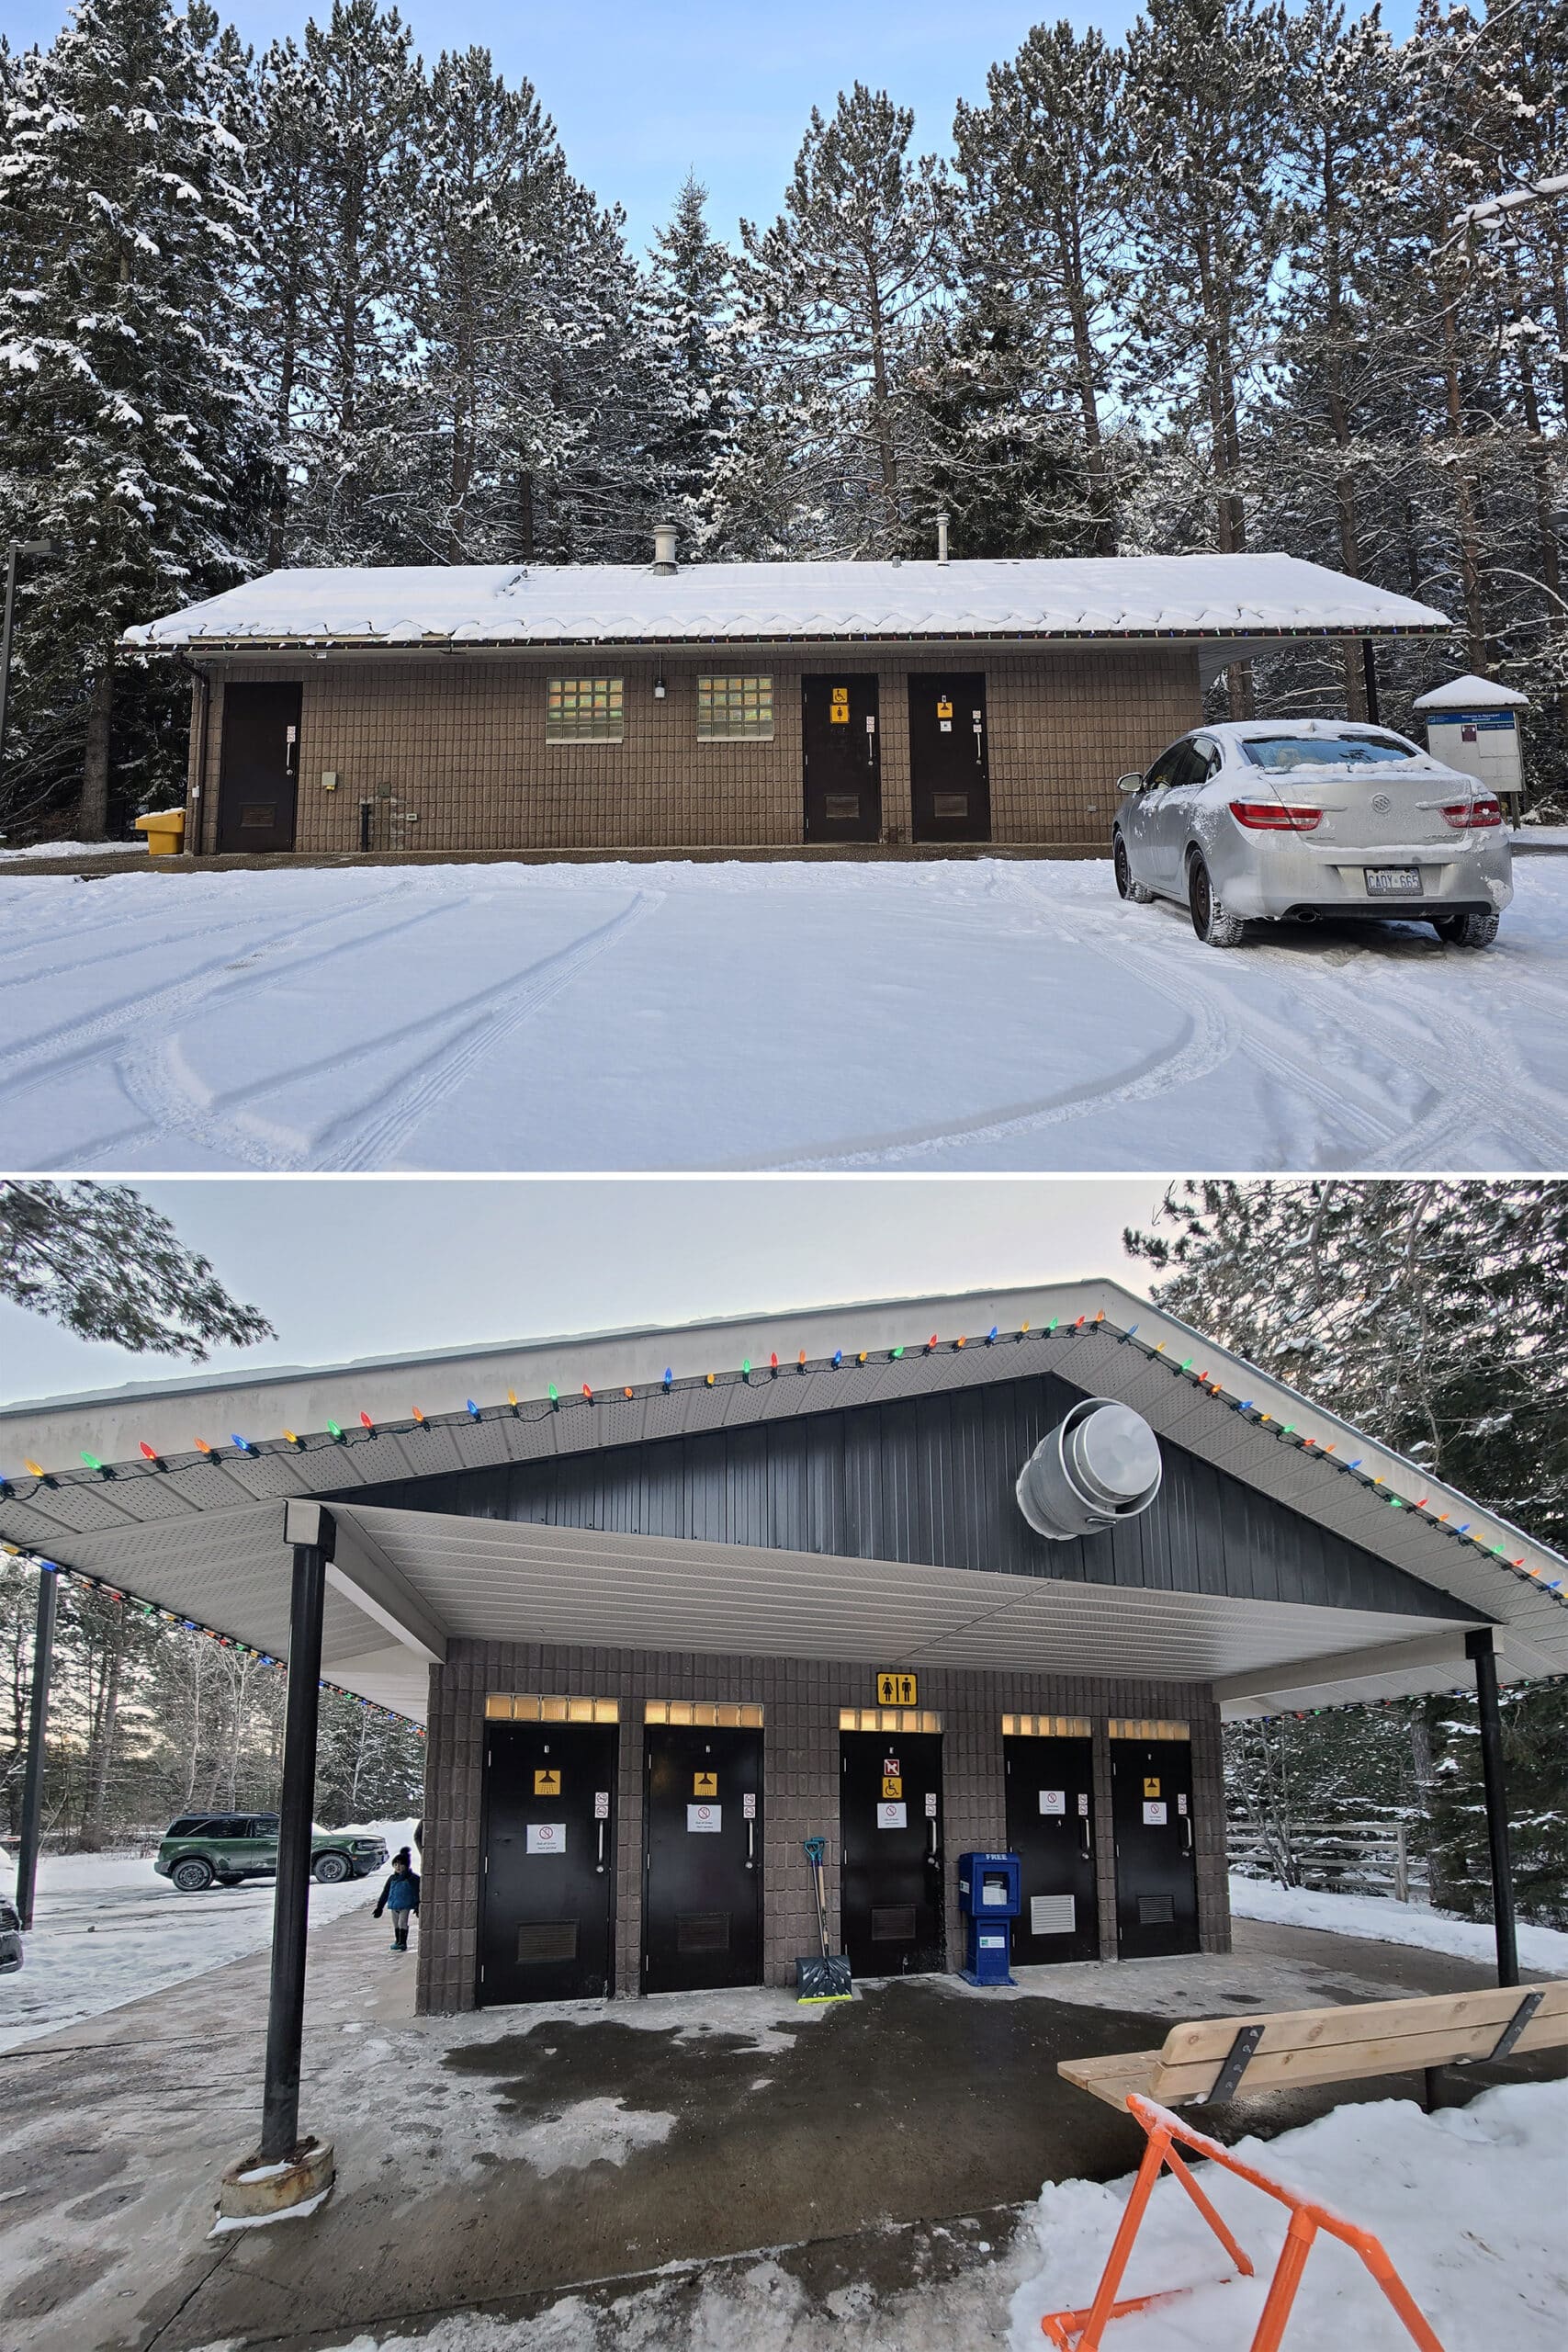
(16, 549)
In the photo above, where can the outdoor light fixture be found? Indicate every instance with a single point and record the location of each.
(659, 685)
(1102, 1464)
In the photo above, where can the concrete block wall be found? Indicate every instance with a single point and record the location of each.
(460, 743)
(801, 1699)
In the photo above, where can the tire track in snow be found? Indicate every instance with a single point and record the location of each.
(370, 1140)
(454, 1040)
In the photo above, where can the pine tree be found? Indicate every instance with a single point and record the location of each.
(1041, 274)
(834, 295)
(690, 303)
(128, 429)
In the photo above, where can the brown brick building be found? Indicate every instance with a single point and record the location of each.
(670, 1603)
(498, 708)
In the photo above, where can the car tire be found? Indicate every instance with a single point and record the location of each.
(332, 1869)
(1465, 931)
(1213, 926)
(193, 1875)
(1138, 893)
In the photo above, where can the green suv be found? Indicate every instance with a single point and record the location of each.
(205, 1850)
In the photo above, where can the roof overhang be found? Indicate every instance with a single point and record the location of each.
(433, 646)
(209, 1524)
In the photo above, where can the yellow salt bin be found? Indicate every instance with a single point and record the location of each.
(166, 832)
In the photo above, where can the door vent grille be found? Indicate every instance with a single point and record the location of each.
(702, 1931)
(1052, 1915)
(546, 1939)
(893, 1923)
(1155, 1911)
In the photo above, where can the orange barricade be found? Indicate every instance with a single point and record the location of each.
(1081, 2331)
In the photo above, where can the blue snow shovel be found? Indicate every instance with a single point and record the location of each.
(825, 1976)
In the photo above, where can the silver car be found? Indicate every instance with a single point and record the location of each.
(1301, 819)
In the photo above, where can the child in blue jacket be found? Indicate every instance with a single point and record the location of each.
(401, 1897)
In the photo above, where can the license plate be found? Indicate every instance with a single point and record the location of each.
(1394, 881)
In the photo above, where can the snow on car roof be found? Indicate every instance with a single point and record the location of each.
(513, 605)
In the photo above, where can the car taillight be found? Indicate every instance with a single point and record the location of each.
(1467, 815)
(1275, 817)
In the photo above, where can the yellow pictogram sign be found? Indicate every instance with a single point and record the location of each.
(546, 1784)
(1151, 1788)
(898, 1690)
(704, 1784)
(892, 1784)
(944, 708)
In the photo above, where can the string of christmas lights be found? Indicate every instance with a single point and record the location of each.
(153, 1465)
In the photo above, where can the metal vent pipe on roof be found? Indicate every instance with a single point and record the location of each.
(664, 547)
(1102, 1464)
(941, 537)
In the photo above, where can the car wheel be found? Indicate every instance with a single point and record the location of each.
(1466, 931)
(1126, 887)
(1213, 926)
(193, 1876)
(332, 1869)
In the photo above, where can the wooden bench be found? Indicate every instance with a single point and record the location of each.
(1207, 2059)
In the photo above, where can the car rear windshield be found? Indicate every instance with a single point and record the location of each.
(1280, 753)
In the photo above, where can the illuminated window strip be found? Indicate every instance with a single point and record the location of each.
(889, 1719)
(1046, 1727)
(1147, 1727)
(706, 1715)
(735, 710)
(584, 710)
(514, 1707)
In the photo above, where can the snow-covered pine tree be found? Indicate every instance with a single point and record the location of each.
(691, 300)
(130, 432)
(1202, 122)
(355, 96)
(1435, 1317)
(833, 300)
(1040, 270)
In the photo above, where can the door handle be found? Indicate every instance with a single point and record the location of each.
(751, 1845)
(1083, 1838)
(598, 1865)
(933, 1858)
(1187, 1833)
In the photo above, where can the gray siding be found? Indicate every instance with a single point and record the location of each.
(931, 1479)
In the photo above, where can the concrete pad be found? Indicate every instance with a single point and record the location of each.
(636, 2155)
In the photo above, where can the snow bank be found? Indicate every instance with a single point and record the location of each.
(1467, 2203)
(1008, 1015)
(108, 1930)
(1387, 1922)
(75, 849)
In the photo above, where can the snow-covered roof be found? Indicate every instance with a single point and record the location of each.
(1471, 693)
(436, 607)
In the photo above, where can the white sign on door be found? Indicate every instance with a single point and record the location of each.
(1052, 1799)
(1181, 1805)
(546, 1836)
(931, 1805)
(1154, 1812)
(748, 1807)
(1083, 1803)
(704, 1816)
(893, 1815)
(601, 1804)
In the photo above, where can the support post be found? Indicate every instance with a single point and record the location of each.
(1480, 1648)
(38, 1730)
(286, 2006)
(1370, 672)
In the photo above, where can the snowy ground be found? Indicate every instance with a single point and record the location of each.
(1387, 1922)
(137, 848)
(994, 1015)
(108, 1930)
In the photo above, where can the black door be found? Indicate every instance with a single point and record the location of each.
(702, 1859)
(843, 760)
(890, 1830)
(547, 1930)
(260, 768)
(1156, 1881)
(950, 775)
(1050, 1785)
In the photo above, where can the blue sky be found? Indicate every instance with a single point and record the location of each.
(361, 1266)
(641, 90)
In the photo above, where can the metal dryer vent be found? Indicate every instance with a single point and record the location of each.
(1102, 1464)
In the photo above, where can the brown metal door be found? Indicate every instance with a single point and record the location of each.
(949, 777)
(260, 772)
(843, 760)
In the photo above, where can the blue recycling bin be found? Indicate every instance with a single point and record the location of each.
(990, 1896)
